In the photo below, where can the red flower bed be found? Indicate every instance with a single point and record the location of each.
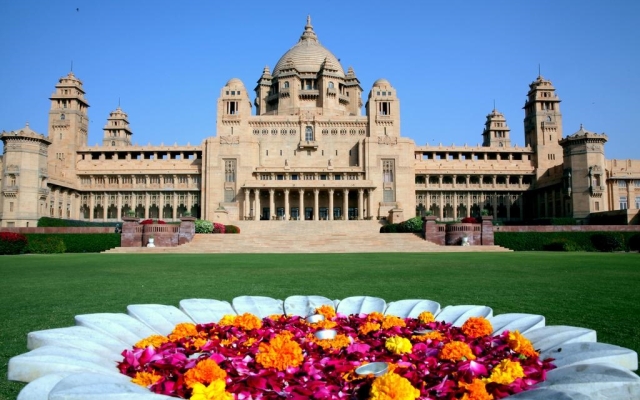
(12, 243)
(151, 221)
(469, 220)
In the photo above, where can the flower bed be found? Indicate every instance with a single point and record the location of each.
(283, 357)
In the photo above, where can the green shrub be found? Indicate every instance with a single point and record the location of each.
(203, 226)
(56, 222)
(82, 242)
(46, 244)
(411, 225)
(389, 228)
(562, 244)
(634, 242)
(232, 229)
(563, 221)
(12, 243)
(608, 241)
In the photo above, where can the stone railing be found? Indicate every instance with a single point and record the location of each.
(135, 234)
(453, 234)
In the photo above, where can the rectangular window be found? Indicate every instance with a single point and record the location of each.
(636, 183)
(337, 177)
(637, 202)
(229, 170)
(623, 202)
(387, 196)
(387, 170)
(294, 177)
(11, 206)
(280, 177)
(622, 184)
(323, 177)
(229, 196)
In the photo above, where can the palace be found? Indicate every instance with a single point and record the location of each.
(308, 153)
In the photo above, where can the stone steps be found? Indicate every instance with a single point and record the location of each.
(307, 237)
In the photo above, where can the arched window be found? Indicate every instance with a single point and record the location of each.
(330, 85)
(61, 116)
(113, 143)
(308, 134)
(286, 85)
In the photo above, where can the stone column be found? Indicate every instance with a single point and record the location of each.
(301, 205)
(468, 180)
(493, 180)
(440, 181)
(520, 204)
(258, 211)
(454, 180)
(330, 204)
(316, 202)
(286, 204)
(494, 202)
(175, 202)
(92, 205)
(345, 209)
(272, 203)
(468, 201)
(146, 205)
(455, 205)
(508, 206)
(369, 203)
(360, 203)
(119, 206)
(246, 204)
(520, 181)
(441, 212)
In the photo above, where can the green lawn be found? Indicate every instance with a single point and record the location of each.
(598, 291)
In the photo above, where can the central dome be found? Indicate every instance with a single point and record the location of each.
(307, 55)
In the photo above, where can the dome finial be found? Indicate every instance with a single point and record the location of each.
(308, 33)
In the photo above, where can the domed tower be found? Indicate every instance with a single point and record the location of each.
(234, 109)
(383, 110)
(117, 132)
(68, 127)
(496, 131)
(543, 125)
(308, 77)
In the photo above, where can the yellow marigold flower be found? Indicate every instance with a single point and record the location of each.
(226, 342)
(249, 342)
(227, 320)
(199, 342)
(521, 344)
(280, 353)
(391, 386)
(476, 390)
(325, 324)
(375, 316)
(153, 341)
(275, 317)
(426, 317)
(327, 311)
(398, 345)
(339, 342)
(433, 335)
(183, 330)
(506, 372)
(367, 327)
(391, 320)
(205, 371)
(214, 391)
(248, 322)
(476, 327)
(146, 379)
(455, 351)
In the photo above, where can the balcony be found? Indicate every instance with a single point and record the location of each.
(308, 144)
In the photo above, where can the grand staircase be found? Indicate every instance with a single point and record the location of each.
(307, 237)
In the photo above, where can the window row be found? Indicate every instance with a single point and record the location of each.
(275, 131)
(343, 132)
(451, 156)
(309, 177)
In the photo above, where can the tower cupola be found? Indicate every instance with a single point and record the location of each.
(117, 132)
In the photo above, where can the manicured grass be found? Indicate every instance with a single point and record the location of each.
(597, 291)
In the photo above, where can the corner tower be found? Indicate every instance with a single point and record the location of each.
(68, 127)
(117, 132)
(496, 132)
(543, 125)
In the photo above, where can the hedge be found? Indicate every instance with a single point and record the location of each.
(567, 241)
(76, 242)
(12, 243)
(411, 225)
(46, 222)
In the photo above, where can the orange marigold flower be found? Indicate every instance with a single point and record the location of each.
(426, 317)
(375, 316)
(327, 311)
(183, 330)
(367, 327)
(213, 391)
(339, 342)
(476, 390)
(146, 379)
(153, 341)
(521, 344)
(226, 342)
(433, 335)
(455, 351)
(249, 342)
(227, 320)
(205, 372)
(392, 386)
(199, 342)
(391, 320)
(476, 327)
(325, 324)
(506, 372)
(280, 353)
(248, 322)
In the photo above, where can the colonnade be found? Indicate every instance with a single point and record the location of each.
(133, 200)
(454, 201)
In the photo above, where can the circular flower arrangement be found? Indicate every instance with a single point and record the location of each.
(243, 357)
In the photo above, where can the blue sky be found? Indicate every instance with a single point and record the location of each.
(166, 61)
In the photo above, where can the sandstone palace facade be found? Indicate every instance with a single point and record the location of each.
(308, 153)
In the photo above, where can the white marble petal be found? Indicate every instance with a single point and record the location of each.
(38, 389)
(91, 386)
(549, 394)
(203, 311)
(458, 315)
(361, 304)
(258, 305)
(599, 381)
(411, 308)
(120, 326)
(516, 322)
(593, 353)
(52, 359)
(555, 336)
(158, 317)
(79, 336)
(304, 305)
